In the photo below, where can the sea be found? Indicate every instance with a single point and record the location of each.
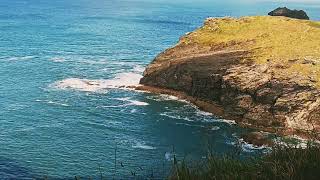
(63, 109)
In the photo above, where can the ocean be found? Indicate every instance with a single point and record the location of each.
(63, 111)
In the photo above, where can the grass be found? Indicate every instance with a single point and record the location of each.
(277, 40)
(282, 162)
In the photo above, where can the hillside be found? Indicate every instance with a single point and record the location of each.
(261, 71)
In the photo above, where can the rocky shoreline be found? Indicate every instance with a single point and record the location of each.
(236, 79)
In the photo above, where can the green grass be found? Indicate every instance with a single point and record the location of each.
(276, 40)
(281, 163)
(314, 24)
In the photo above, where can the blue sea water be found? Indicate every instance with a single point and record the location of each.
(62, 111)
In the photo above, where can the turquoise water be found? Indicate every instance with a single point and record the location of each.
(62, 110)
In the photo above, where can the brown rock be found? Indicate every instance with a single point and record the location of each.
(257, 139)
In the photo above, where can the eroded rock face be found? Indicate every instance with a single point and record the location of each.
(248, 92)
(297, 14)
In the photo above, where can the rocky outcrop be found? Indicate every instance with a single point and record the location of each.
(268, 94)
(258, 139)
(283, 11)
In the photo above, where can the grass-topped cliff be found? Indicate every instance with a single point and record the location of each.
(263, 71)
(283, 41)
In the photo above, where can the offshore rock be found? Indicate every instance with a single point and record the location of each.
(283, 11)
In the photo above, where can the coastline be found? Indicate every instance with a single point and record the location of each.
(245, 76)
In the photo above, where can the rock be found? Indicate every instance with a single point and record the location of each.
(297, 14)
(257, 139)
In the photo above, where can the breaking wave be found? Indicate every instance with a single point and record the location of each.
(17, 58)
(122, 80)
(140, 145)
(132, 102)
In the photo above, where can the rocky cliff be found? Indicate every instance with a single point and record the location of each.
(263, 72)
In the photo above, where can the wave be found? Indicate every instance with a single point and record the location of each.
(191, 125)
(18, 58)
(139, 103)
(215, 128)
(203, 113)
(25, 129)
(133, 111)
(165, 97)
(294, 140)
(175, 116)
(57, 103)
(140, 145)
(121, 80)
(245, 146)
(132, 102)
(53, 103)
(199, 114)
(138, 68)
(58, 59)
(230, 122)
(205, 116)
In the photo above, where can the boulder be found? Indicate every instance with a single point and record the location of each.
(297, 14)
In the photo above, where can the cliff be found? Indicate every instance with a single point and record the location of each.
(263, 72)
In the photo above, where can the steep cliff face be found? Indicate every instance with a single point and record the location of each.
(263, 71)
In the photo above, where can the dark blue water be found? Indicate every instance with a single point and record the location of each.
(62, 111)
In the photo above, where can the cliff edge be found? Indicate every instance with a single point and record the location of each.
(262, 71)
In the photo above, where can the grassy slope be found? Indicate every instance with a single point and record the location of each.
(279, 40)
(282, 163)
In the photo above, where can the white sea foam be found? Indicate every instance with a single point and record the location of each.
(215, 128)
(58, 103)
(168, 156)
(138, 68)
(175, 116)
(203, 113)
(121, 80)
(132, 102)
(138, 103)
(230, 122)
(58, 59)
(140, 145)
(247, 147)
(186, 124)
(25, 129)
(20, 58)
(133, 111)
(164, 97)
(53, 102)
(93, 62)
(294, 140)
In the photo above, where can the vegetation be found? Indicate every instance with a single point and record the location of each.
(282, 162)
(289, 43)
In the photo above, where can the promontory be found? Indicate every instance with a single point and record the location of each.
(261, 71)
